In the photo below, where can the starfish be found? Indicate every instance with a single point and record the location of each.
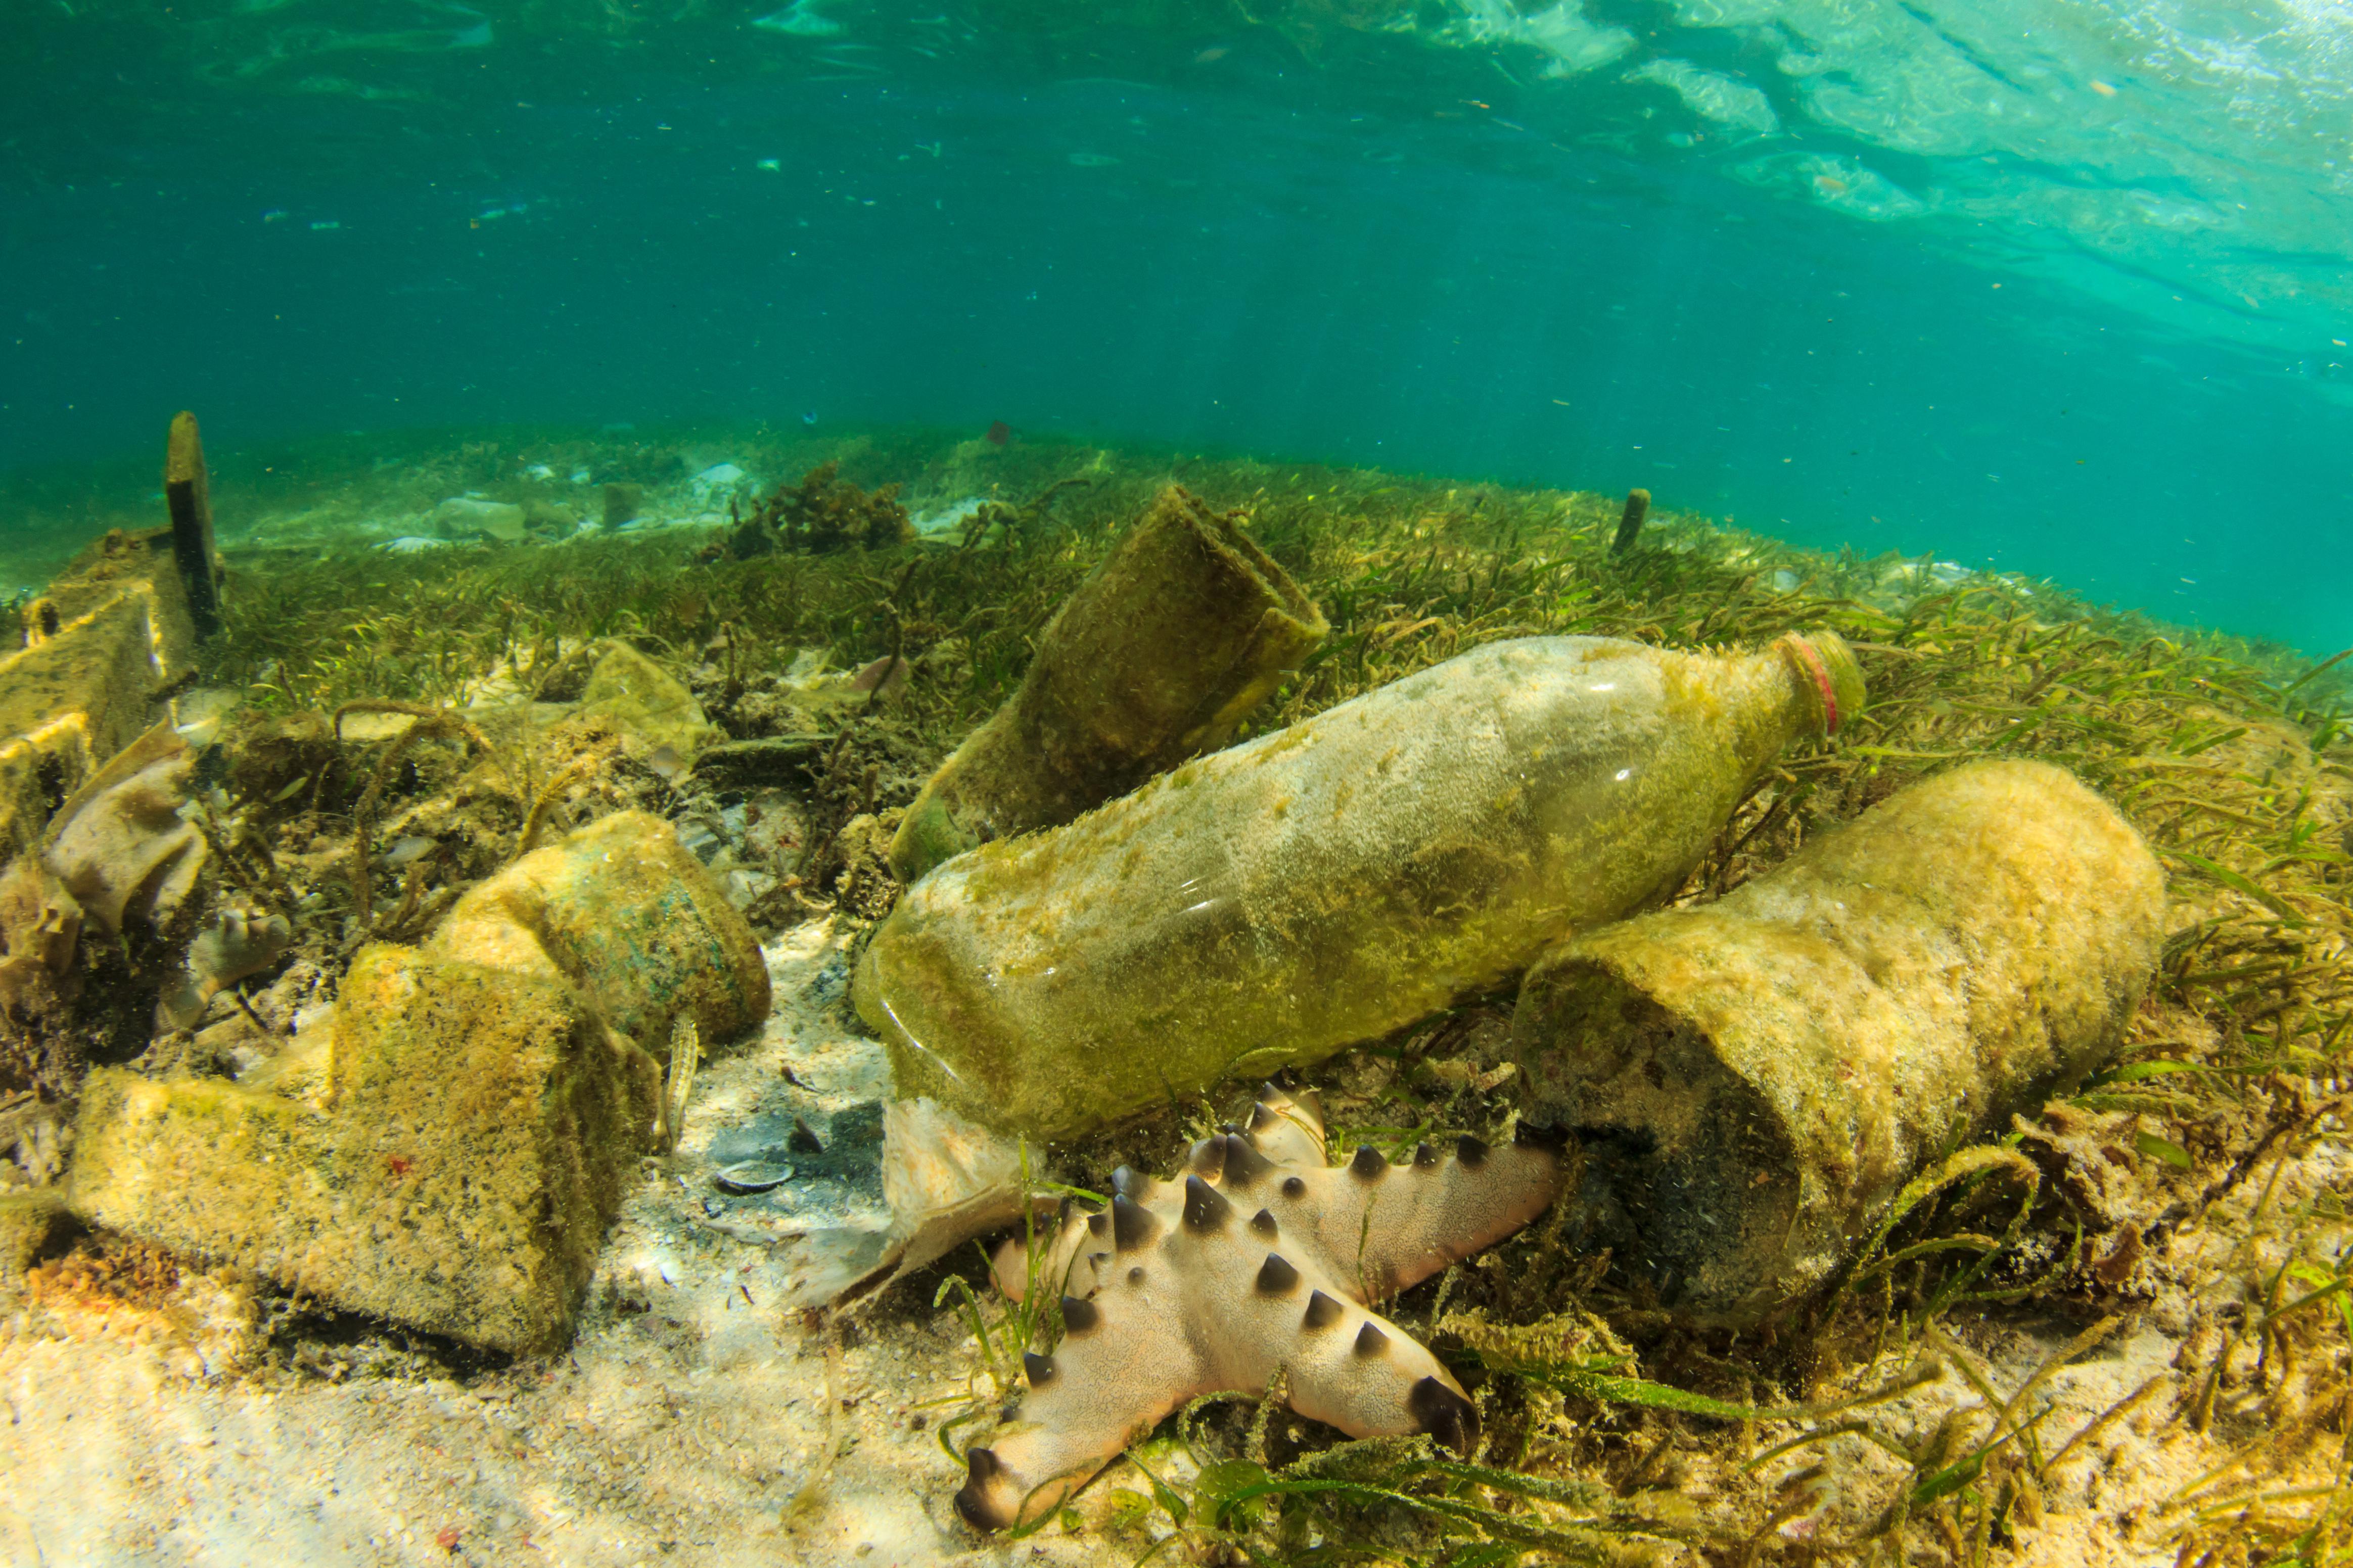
(1258, 1255)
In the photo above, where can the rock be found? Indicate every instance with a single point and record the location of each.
(447, 1152)
(647, 704)
(30, 1225)
(716, 483)
(622, 502)
(624, 911)
(480, 1128)
(865, 886)
(97, 644)
(33, 1136)
(470, 517)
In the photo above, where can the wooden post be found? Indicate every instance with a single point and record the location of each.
(185, 491)
(1630, 523)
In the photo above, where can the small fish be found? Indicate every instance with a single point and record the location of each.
(1093, 160)
(809, 417)
(1212, 55)
(667, 763)
(1000, 433)
(409, 849)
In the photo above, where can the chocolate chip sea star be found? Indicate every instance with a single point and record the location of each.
(1258, 1255)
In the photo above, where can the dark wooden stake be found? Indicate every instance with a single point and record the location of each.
(186, 492)
(1630, 523)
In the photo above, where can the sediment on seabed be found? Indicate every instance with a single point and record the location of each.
(452, 684)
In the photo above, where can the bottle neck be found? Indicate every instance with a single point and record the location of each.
(1798, 688)
(1828, 681)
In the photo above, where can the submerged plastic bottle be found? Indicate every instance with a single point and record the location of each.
(1269, 904)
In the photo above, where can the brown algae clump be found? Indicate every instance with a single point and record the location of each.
(1754, 1080)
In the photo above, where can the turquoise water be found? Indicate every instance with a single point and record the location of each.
(2060, 289)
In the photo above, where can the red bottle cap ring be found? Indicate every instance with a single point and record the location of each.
(1811, 658)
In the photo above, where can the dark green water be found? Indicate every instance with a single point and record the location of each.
(2053, 288)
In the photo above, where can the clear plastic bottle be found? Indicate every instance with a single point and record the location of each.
(1269, 904)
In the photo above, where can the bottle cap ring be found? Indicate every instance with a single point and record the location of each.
(1811, 658)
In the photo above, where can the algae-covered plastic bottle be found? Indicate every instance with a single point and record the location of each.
(1269, 904)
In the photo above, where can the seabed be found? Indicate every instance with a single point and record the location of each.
(2117, 1334)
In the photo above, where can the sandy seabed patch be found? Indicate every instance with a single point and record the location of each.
(679, 1428)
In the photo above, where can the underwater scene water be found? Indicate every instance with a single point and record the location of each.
(2056, 289)
(1454, 784)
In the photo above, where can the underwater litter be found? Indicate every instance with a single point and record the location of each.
(1155, 776)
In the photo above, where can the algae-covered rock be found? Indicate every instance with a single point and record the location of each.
(40, 926)
(1755, 1079)
(110, 633)
(482, 1107)
(621, 910)
(470, 517)
(1162, 652)
(30, 1225)
(480, 1128)
(647, 704)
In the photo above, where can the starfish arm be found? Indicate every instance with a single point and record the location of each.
(1387, 1228)
(1125, 1362)
(1263, 1300)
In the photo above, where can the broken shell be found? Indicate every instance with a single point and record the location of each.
(752, 1176)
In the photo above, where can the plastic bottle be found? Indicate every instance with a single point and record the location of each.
(1753, 1080)
(1159, 655)
(1269, 904)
